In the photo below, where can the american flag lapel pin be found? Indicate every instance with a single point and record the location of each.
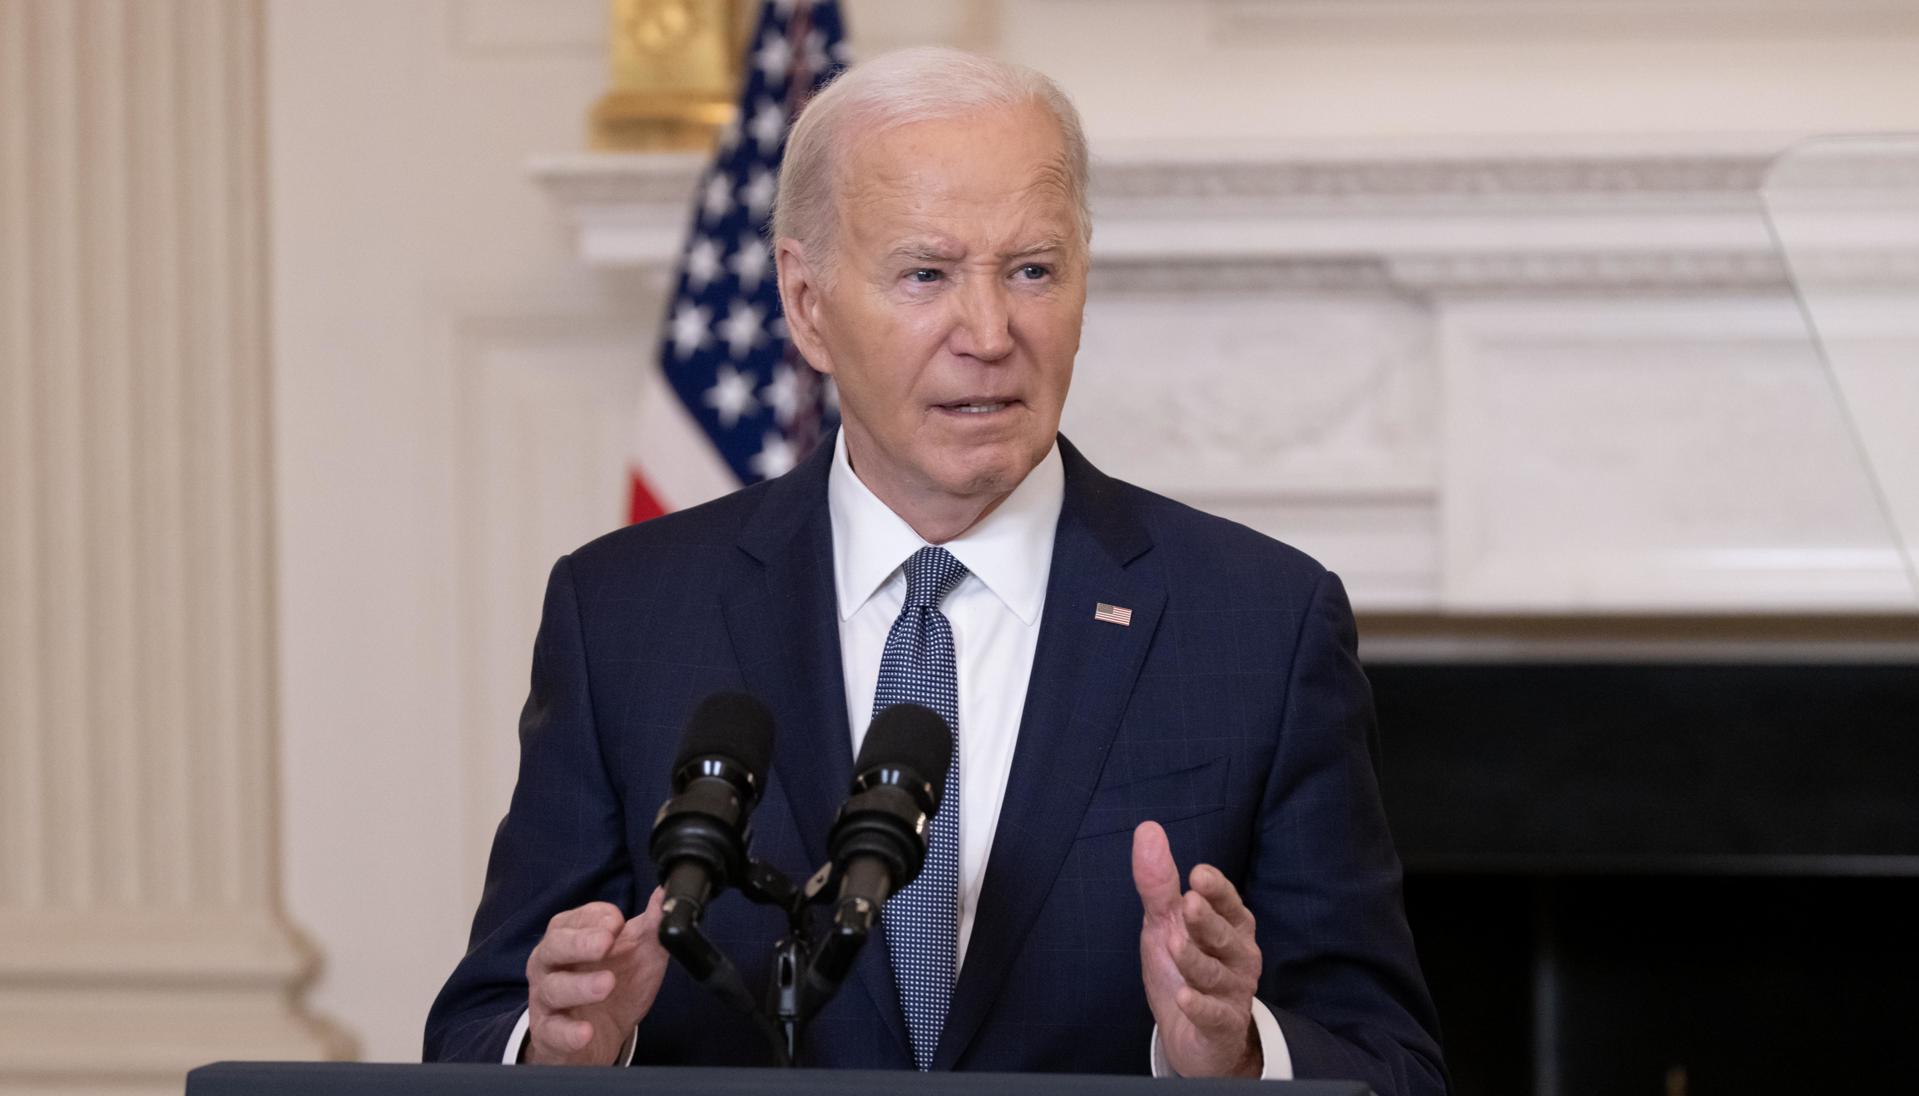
(1113, 614)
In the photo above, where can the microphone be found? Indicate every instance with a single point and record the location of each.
(700, 835)
(878, 840)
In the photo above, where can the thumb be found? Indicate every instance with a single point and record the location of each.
(1155, 875)
(644, 928)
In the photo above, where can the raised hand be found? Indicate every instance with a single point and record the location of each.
(592, 978)
(1200, 962)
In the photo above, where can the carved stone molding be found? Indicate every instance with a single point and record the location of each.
(140, 924)
(1308, 179)
(1314, 340)
(1598, 219)
(1253, 22)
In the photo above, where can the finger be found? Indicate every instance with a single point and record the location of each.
(1203, 972)
(648, 922)
(646, 927)
(567, 947)
(561, 990)
(1210, 930)
(1211, 1014)
(1155, 875)
(1219, 891)
(603, 915)
(564, 1032)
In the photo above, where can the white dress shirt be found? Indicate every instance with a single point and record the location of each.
(994, 611)
(995, 615)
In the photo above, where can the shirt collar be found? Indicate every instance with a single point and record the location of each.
(1010, 551)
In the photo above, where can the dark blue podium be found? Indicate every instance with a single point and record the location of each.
(349, 1079)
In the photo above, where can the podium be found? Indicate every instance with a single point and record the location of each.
(352, 1079)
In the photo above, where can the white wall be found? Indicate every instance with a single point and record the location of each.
(1232, 70)
(452, 386)
(409, 255)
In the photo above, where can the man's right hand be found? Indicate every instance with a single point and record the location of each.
(590, 980)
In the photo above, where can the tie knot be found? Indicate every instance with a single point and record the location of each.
(931, 574)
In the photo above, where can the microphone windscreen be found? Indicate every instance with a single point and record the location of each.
(911, 737)
(729, 725)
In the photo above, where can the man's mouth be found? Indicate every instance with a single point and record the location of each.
(977, 407)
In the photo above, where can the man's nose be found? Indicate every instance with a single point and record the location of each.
(985, 328)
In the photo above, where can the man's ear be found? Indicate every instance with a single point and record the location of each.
(800, 302)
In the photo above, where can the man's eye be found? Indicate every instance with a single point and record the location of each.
(1033, 272)
(923, 275)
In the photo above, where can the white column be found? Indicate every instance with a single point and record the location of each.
(140, 927)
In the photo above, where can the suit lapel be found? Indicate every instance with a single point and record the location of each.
(1083, 674)
(783, 618)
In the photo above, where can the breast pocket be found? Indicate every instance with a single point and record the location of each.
(1160, 797)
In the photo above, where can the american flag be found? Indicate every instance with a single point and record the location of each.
(738, 403)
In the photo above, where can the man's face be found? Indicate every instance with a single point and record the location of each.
(953, 312)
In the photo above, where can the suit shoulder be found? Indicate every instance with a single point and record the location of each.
(1194, 544)
(704, 532)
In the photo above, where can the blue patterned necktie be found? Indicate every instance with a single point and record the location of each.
(922, 921)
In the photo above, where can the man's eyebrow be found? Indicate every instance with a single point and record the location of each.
(1050, 243)
(922, 251)
(928, 251)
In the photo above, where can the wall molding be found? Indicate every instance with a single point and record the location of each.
(1253, 23)
(137, 765)
(1365, 287)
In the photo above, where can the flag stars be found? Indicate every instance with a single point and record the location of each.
(758, 192)
(783, 395)
(691, 328)
(702, 263)
(718, 200)
(774, 57)
(749, 263)
(776, 456)
(814, 51)
(731, 396)
(742, 328)
(768, 126)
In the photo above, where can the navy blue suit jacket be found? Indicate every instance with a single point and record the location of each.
(1232, 710)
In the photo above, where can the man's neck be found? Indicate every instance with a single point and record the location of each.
(936, 517)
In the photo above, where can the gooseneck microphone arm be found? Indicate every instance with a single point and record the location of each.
(877, 846)
(700, 834)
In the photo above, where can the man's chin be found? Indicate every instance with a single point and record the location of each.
(988, 470)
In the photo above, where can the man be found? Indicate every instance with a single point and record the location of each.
(1134, 684)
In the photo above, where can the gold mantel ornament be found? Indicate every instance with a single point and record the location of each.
(676, 70)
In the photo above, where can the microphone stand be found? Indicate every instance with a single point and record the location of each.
(805, 974)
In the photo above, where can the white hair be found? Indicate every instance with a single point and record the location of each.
(921, 84)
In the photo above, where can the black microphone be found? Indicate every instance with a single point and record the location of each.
(878, 841)
(700, 835)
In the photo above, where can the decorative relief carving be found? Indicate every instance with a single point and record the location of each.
(1266, 336)
(1267, 395)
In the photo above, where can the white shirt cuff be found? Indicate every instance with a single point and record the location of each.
(516, 1040)
(1272, 1047)
(518, 1037)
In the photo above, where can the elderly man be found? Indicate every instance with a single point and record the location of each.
(1133, 684)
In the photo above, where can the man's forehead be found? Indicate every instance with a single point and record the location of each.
(1015, 146)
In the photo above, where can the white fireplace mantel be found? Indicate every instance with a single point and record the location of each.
(1474, 380)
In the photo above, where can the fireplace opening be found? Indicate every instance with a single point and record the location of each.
(1661, 878)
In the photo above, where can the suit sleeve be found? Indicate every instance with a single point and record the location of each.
(561, 844)
(1325, 886)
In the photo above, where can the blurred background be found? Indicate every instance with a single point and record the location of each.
(325, 329)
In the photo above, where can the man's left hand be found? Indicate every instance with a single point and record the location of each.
(1200, 962)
